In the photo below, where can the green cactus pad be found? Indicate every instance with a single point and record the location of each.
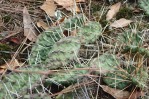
(140, 78)
(116, 80)
(130, 38)
(123, 78)
(48, 38)
(16, 84)
(144, 4)
(63, 52)
(70, 77)
(54, 51)
(90, 32)
(133, 43)
(105, 63)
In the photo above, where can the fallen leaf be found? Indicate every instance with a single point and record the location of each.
(80, 1)
(65, 3)
(137, 10)
(49, 7)
(59, 21)
(120, 94)
(76, 9)
(69, 5)
(10, 65)
(136, 94)
(116, 93)
(1, 21)
(29, 30)
(74, 33)
(42, 24)
(113, 11)
(121, 23)
(15, 40)
(2, 70)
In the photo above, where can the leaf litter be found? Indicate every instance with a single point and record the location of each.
(69, 6)
(29, 29)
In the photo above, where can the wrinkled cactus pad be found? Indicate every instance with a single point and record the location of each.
(122, 78)
(63, 52)
(130, 38)
(16, 84)
(106, 63)
(47, 39)
(53, 50)
(116, 80)
(144, 4)
(90, 32)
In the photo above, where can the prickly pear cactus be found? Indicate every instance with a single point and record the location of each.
(144, 4)
(90, 32)
(47, 39)
(106, 63)
(16, 85)
(140, 78)
(123, 78)
(133, 42)
(130, 39)
(117, 79)
(116, 76)
(70, 76)
(53, 50)
(63, 52)
(135, 49)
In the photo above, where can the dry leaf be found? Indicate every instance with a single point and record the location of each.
(10, 65)
(29, 30)
(15, 40)
(69, 5)
(2, 70)
(77, 9)
(137, 10)
(80, 1)
(120, 94)
(65, 3)
(59, 21)
(49, 7)
(121, 23)
(136, 94)
(74, 33)
(42, 24)
(1, 21)
(116, 93)
(113, 11)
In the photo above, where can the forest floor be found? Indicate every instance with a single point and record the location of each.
(16, 45)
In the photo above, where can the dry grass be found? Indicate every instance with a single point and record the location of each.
(12, 17)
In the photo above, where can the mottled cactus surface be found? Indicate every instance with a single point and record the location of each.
(144, 4)
(123, 78)
(47, 39)
(63, 52)
(52, 50)
(129, 75)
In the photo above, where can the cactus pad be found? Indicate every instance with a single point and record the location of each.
(90, 32)
(48, 38)
(54, 51)
(145, 5)
(122, 78)
(63, 52)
